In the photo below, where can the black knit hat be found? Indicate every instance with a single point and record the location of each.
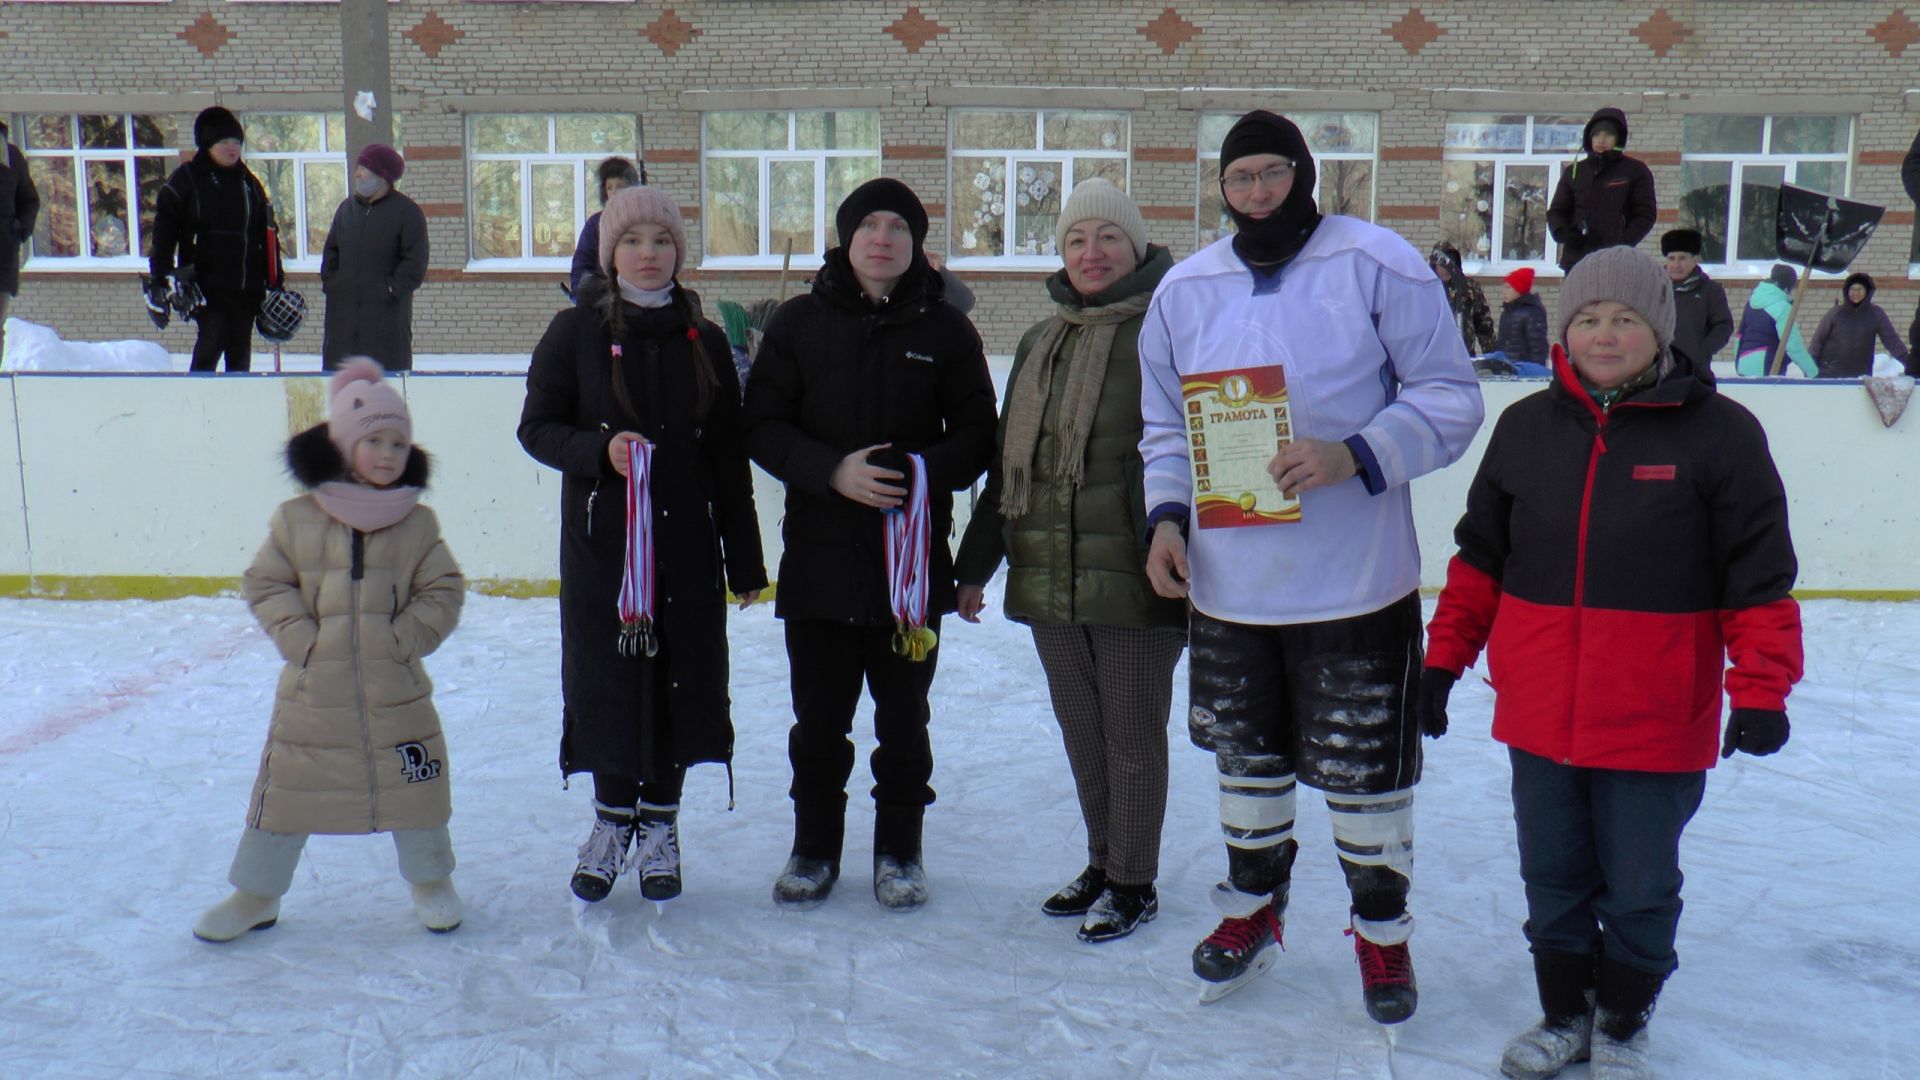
(214, 124)
(1683, 240)
(883, 193)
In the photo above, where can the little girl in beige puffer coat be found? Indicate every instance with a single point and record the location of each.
(354, 586)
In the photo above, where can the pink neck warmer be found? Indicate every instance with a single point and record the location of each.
(365, 508)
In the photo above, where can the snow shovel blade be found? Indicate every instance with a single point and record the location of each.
(1821, 230)
(1213, 992)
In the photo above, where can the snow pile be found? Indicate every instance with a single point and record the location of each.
(32, 347)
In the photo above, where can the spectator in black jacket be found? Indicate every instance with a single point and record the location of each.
(1843, 344)
(374, 260)
(1604, 198)
(213, 212)
(19, 206)
(1702, 321)
(873, 365)
(1523, 322)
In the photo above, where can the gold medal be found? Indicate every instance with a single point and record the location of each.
(901, 642)
(920, 643)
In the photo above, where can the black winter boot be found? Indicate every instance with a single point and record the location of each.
(899, 878)
(1565, 1032)
(1076, 896)
(1623, 1003)
(1119, 911)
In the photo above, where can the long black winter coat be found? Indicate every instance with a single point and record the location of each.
(1523, 329)
(1603, 200)
(625, 716)
(374, 259)
(217, 219)
(19, 207)
(835, 374)
(1702, 321)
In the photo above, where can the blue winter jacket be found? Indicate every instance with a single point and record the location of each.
(1760, 324)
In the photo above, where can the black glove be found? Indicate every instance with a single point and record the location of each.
(1755, 731)
(1430, 700)
(154, 291)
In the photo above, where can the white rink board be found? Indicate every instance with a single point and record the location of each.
(170, 475)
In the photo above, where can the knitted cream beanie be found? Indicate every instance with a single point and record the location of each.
(1096, 199)
(640, 205)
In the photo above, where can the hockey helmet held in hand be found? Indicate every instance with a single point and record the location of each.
(281, 314)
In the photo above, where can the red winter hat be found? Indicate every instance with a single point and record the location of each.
(1521, 280)
(382, 161)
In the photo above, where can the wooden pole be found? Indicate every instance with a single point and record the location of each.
(785, 262)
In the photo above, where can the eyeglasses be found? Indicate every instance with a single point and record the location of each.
(1271, 176)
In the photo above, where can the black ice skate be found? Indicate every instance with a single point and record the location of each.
(604, 854)
(805, 882)
(658, 852)
(1386, 978)
(1239, 950)
(1119, 911)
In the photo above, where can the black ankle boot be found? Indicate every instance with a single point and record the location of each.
(1078, 895)
(1119, 911)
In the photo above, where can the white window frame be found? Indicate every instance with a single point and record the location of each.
(297, 221)
(1064, 158)
(125, 156)
(1757, 270)
(1549, 262)
(583, 165)
(1210, 156)
(822, 213)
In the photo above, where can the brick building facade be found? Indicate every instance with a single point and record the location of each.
(1724, 99)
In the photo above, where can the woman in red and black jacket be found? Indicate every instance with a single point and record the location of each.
(1625, 535)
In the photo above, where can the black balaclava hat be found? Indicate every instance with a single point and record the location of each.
(1277, 237)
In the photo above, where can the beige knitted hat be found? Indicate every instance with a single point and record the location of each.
(1624, 276)
(1097, 199)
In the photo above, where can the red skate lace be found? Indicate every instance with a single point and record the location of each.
(1239, 936)
(1382, 965)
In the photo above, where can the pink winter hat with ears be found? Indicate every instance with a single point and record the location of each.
(641, 205)
(360, 401)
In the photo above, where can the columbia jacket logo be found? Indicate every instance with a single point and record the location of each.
(415, 765)
(922, 357)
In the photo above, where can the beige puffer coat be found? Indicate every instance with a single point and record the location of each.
(355, 745)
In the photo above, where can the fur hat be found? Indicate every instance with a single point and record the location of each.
(616, 168)
(1096, 199)
(1624, 276)
(360, 401)
(382, 161)
(214, 124)
(640, 205)
(1521, 280)
(1682, 240)
(881, 193)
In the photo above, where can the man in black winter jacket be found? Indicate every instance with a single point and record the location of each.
(870, 367)
(1702, 321)
(1605, 198)
(214, 213)
(19, 207)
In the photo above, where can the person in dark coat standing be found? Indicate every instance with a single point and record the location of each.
(19, 208)
(1843, 343)
(614, 173)
(1702, 321)
(1624, 560)
(1523, 320)
(1604, 198)
(870, 367)
(1065, 507)
(643, 684)
(374, 260)
(210, 228)
(1464, 295)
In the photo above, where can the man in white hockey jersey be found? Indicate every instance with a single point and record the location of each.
(1305, 629)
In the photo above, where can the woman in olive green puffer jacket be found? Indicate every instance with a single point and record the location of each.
(1064, 507)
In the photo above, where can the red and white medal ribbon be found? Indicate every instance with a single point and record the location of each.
(909, 540)
(636, 582)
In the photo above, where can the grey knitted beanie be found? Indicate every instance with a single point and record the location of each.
(1624, 276)
(1097, 199)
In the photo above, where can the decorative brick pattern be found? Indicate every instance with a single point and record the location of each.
(1661, 32)
(670, 32)
(206, 34)
(912, 152)
(1409, 213)
(1882, 157)
(1411, 153)
(432, 153)
(1174, 154)
(1896, 32)
(433, 34)
(915, 30)
(1414, 31)
(1169, 31)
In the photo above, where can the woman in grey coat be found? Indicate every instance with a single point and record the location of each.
(375, 258)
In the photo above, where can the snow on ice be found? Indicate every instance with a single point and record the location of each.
(129, 734)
